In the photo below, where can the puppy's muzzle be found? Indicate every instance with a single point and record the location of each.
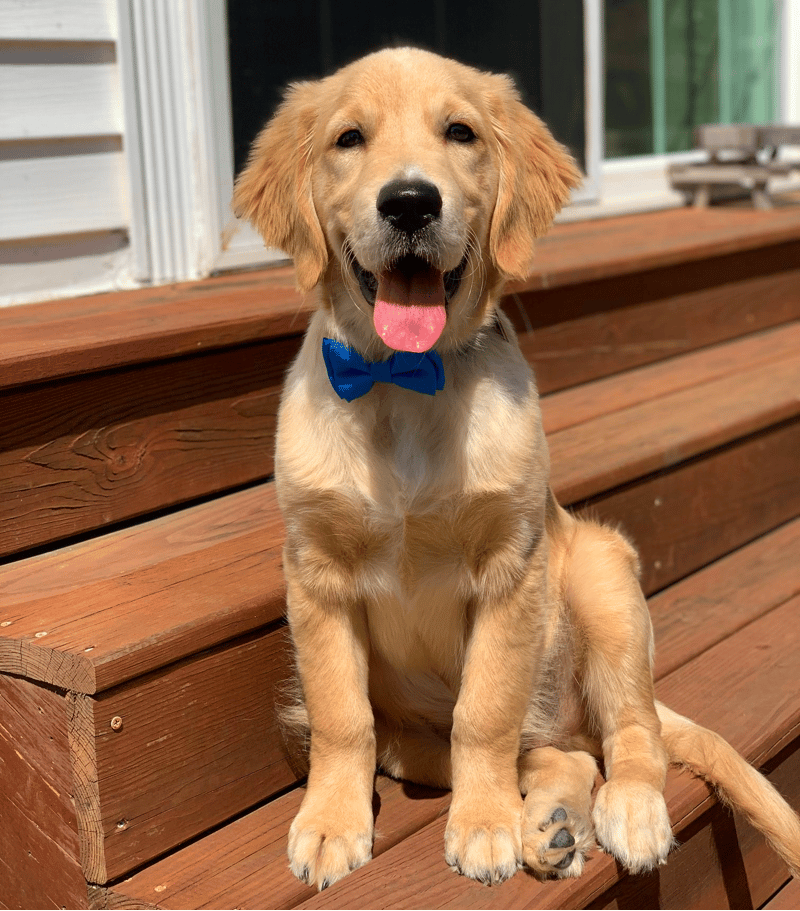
(409, 205)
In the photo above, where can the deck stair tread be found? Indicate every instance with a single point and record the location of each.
(104, 604)
(700, 675)
(65, 338)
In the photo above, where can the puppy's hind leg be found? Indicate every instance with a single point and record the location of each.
(615, 648)
(557, 826)
(413, 755)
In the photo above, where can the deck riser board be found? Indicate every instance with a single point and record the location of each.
(98, 450)
(617, 325)
(686, 518)
(182, 750)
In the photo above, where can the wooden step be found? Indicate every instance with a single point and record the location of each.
(147, 400)
(42, 342)
(190, 603)
(701, 672)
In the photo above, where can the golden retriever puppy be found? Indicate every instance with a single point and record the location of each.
(453, 625)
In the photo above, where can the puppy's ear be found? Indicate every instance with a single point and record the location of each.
(274, 192)
(536, 176)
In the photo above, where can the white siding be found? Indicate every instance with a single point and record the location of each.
(64, 92)
(58, 20)
(62, 194)
(64, 199)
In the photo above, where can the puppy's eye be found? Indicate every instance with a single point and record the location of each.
(350, 138)
(460, 132)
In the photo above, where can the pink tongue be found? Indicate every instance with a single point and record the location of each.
(409, 310)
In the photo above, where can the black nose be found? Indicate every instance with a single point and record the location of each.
(409, 205)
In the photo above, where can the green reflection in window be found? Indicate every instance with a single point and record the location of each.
(674, 64)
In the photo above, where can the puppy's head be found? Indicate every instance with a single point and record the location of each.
(411, 186)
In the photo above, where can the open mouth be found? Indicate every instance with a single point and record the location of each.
(409, 300)
(409, 266)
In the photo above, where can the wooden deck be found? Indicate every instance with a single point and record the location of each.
(141, 596)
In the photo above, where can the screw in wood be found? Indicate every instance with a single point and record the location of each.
(116, 723)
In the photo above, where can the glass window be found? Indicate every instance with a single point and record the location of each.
(674, 64)
(539, 42)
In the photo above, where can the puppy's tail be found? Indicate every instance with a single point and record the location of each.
(737, 783)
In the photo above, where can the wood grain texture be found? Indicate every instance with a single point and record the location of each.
(42, 342)
(195, 744)
(100, 449)
(83, 756)
(688, 517)
(708, 606)
(592, 400)
(767, 716)
(115, 607)
(39, 846)
(583, 332)
(619, 447)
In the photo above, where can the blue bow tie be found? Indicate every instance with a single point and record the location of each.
(351, 376)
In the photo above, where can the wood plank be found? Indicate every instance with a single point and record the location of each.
(619, 447)
(189, 747)
(88, 334)
(106, 606)
(65, 191)
(58, 20)
(767, 714)
(634, 387)
(586, 250)
(39, 848)
(713, 603)
(578, 333)
(688, 517)
(46, 98)
(110, 330)
(244, 864)
(787, 898)
(89, 453)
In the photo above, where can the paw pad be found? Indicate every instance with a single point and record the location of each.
(562, 839)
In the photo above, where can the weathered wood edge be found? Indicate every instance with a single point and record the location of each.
(87, 791)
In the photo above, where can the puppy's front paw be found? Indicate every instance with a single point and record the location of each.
(326, 843)
(632, 823)
(483, 844)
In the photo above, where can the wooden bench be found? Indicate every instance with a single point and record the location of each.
(141, 597)
(733, 161)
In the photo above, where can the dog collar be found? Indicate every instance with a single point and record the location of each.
(351, 376)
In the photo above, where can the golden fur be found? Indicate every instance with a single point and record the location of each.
(452, 623)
